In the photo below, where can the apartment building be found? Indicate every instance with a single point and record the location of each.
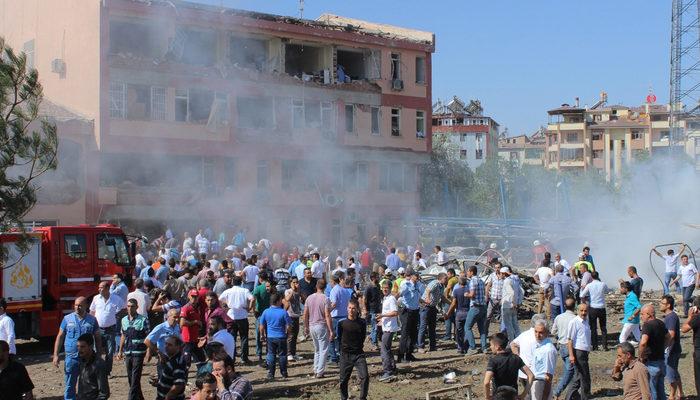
(202, 115)
(473, 135)
(524, 149)
(605, 138)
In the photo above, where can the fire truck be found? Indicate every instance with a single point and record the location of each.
(63, 263)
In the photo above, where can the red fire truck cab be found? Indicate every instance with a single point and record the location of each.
(73, 260)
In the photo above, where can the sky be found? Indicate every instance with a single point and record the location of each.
(522, 58)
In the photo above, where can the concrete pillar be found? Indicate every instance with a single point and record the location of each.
(606, 155)
(628, 147)
(617, 148)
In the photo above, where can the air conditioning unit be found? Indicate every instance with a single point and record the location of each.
(58, 66)
(397, 84)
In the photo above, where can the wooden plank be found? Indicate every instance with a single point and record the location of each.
(428, 395)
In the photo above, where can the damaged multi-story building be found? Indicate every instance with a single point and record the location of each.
(194, 115)
(606, 138)
(471, 134)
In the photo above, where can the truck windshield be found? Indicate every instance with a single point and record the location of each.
(113, 248)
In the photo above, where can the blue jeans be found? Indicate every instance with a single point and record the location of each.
(476, 315)
(108, 340)
(72, 370)
(276, 348)
(657, 371)
(509, 316)
(449, 323)
(428, 320)
(335, 343)
(687, 297)
(373, 328)
(668, 277)
(258, 339)
(568, 371)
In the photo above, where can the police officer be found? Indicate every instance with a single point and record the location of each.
(73, 325)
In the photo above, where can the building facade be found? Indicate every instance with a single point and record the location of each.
(605, 138)
(523, 149)
(209, 116)
(473, 135)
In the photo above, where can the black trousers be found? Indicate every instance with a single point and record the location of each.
(696, 370)
(292, 337)
(194, 354)
(580, 387)
(134, 367)
(347, 363)
(239, 328)
(409, 332)
(599, 315)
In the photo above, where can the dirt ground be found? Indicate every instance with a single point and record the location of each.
(414, 379)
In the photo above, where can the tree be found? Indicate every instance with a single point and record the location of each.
(445, 181)
(25, 153)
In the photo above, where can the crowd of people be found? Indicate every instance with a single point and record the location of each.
(193, 302)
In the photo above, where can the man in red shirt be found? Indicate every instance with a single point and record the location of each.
(190, 324)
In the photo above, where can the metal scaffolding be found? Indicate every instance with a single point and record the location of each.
(684, 98)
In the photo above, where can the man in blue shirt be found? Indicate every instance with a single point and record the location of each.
(72, 327)
(276, 324)
(393, 262)
(410, 293)
(560, 286)
(155, 341)
(630, 322)
(339, 297)
(477, 311)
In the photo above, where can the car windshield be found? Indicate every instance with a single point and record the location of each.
(113, 248)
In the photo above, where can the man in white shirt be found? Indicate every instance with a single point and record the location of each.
(524, 345)
(419, 263)
(7, 327)
(390, 325)
(187, 242)
(544, 363)
(104, 308)
(579, 335)
(440, 257)
(560, 329)
(238, 301)
(142, 298)
(216, 332)
(542, 276)
(671, 271)
(250, 276)
(317, 269)
(595, 292)
(560, 261)
(688, 275)
(512, 293)
(202, 245)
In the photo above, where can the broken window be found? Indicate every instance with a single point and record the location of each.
(297, 113)
(262, 174)
(396, 177)
(302, 60)
(375, 120)
(312, 113)
(200, 105)
(395, 66)
(349, 118)
(117, 100)
(182, 101)
(255, 112)
(135, 39)
(410, 178)
(353, 63)
(194, 47)
(134, 170)
(158, 100)
(420, 69)
(327, 116)
(395, 122)
(248, 53)
(336, 176)
(289, 171)
(384, 176)
(207, 173)
(462, 154)
(219, 113)
(230, 173)
(28, 50)
(362, 176)
(356, 176)
(138, 102)
(420, 124)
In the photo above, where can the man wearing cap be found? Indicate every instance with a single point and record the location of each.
(410, 293)
(401, 272)
(191, 323)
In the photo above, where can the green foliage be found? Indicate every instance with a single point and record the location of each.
(25, 153)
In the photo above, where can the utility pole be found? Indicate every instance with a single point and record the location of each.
(301, 9)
